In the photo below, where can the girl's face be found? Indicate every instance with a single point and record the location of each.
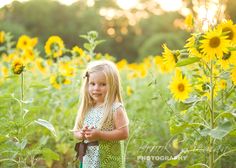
(97, 87)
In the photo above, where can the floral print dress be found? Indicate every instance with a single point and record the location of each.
(103, 155)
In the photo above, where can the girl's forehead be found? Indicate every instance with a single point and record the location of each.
(97, 76)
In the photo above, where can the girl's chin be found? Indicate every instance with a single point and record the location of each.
(98, 101)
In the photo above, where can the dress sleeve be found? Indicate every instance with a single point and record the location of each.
(114, 108)
(116, 105)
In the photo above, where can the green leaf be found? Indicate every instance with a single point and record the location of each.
(47, 125)
(169, 162)
(99, 42)
(221, 131)
(84, 36)
(176, 129)
(187, 61)
(87, 46)
(2, 138)
(48, 154)
(205, 131)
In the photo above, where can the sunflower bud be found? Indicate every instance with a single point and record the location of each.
(17, 66)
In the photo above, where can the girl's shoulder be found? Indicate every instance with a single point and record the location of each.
(116, 105)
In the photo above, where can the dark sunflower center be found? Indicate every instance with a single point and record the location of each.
(229, 33)
(60, 79)
(25, 43)
(181, 87)
(205, 86)
(226, 56)
(214, 42)
(54, 47)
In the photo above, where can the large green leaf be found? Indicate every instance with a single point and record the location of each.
(48, 154)
(221, 131)
(47, 125)
(187, 61)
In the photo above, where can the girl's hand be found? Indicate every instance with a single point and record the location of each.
(80, 134)
(92, 134)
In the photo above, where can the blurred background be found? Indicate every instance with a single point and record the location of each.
(132, 29)
(46, 93)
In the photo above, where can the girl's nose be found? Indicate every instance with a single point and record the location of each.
(96, 87)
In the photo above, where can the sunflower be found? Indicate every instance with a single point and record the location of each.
(57, 80)
(214, 44)
(233, 75)
(41, 65)
(180, 87)
(189, 21)
(230, 29)
(222, 84)
(25, 42)
(66, 69)
(169, 57)
(28, 55)
(129, 91)
(5, 71)
(2, 37)
(132, 75)
(121, 64)
(77, 51)
(203, 87)
(54, 46)
(17, 66)
(193, 45)
(227, 59)
(143, 71)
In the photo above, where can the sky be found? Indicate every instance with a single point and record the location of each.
(168, 5)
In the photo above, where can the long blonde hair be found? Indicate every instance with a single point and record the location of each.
(113, 92)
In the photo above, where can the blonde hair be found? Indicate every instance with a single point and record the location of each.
(113, 92)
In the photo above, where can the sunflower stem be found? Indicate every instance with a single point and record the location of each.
(22, 93)
(211, 145)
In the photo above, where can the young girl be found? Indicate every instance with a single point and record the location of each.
(101, 121)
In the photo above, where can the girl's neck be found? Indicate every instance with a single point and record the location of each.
(98, 104)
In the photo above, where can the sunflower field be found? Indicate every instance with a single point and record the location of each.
(181, 104)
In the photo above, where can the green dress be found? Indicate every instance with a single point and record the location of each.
(108, 153)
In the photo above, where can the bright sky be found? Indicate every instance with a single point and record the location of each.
(168, 5)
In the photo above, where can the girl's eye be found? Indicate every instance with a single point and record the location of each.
(103, 84)
(92, 83)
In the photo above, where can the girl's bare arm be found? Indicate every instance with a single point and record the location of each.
(120, 132)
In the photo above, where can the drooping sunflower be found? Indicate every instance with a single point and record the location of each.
(169, 57)
(203, 87)
(180, 87)
(214, 44)
(227, 59)
(193, 44)
(2, 37)
(229, 29)
(25, 42)
(233, 75)
(54, 46)
(17, 66)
